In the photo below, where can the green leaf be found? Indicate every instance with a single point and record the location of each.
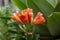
(57, 9)
(42, 30)
(5, 12)
(32, 5)
(53, 23)
(5, 18)
(42, 5)
(53, 2)
(19, 4)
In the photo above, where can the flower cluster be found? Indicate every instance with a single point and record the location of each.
(26, 16)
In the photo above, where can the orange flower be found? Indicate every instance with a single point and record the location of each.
(15, 16)
(39, 19)
(26, 16)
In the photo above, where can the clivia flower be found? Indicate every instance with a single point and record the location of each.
(26, 16)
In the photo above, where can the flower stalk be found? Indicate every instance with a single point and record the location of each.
(25, 17)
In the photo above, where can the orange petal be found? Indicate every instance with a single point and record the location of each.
(28, 10)
(39, 19)
(40, 14)
(28, 14)
(16, 17)
(24, 16)
(30, 17)
(12, 17)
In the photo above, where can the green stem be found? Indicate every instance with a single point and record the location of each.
(28, 37)
(34, 32)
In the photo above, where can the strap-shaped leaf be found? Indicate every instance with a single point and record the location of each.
(57, 9)
(53, 2)
(42, 5)
(5, 18)
(19, 4)
(53, 23)
(45, 6)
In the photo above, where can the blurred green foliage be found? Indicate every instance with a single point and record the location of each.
(9, 29)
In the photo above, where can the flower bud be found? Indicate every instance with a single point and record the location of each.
(39, 19)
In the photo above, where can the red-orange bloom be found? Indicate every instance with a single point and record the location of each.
(15, 16)
(39, 19)
(26, 16)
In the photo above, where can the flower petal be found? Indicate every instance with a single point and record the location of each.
(15, 16)
(39, 19)
(28, 14)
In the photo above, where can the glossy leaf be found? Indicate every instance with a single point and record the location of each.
(57, 9)
(42, 30)
(53, 2)
(5, 17)
(44, 6)
(53, 23)
(19, 4)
